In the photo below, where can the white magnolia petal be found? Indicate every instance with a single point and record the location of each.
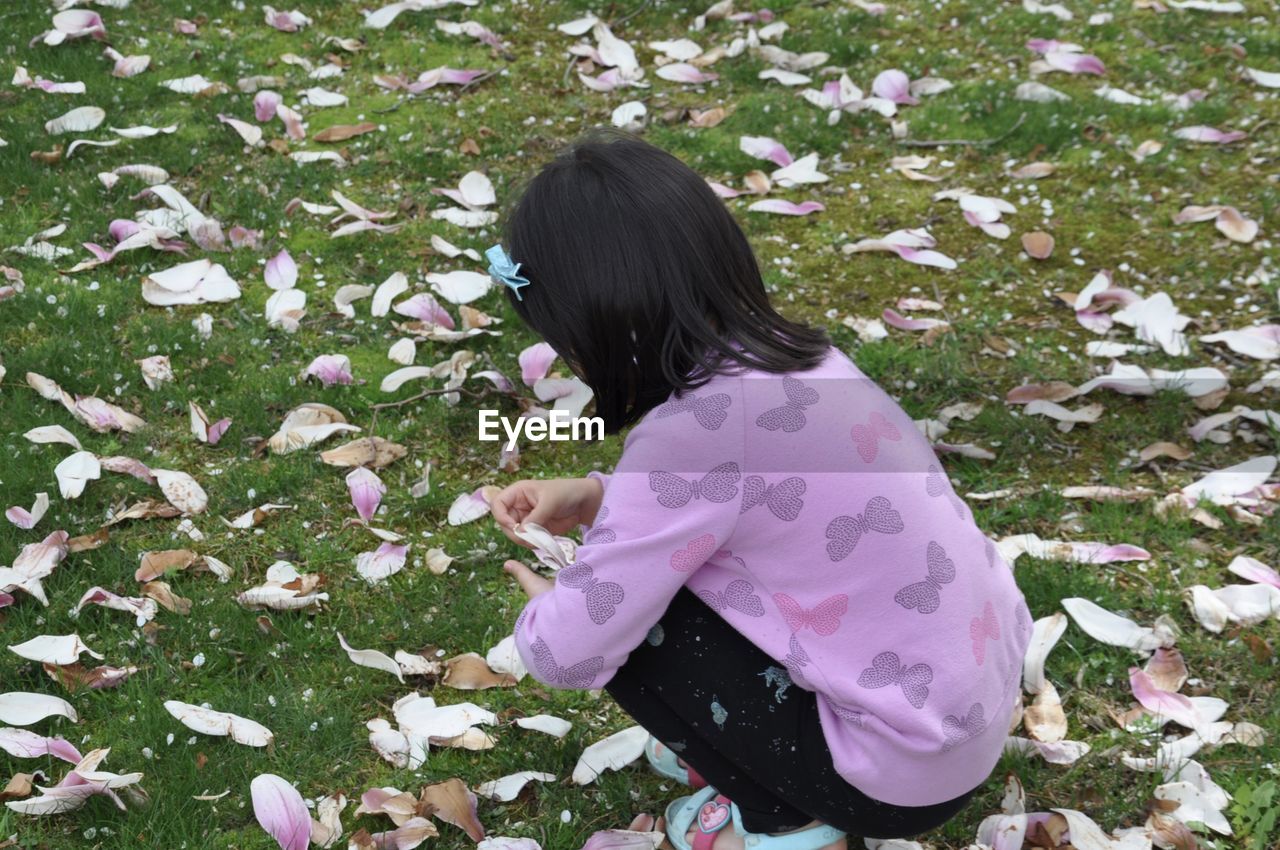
(53, 649)
(460, 287)
(616, 751)
(182, 491)
(1044, 635)
(19, 708)
(209, 722)
(507, 788)
(548, 724)
(371, 658)
(75, 471)
(1112, 629)
(79, 120)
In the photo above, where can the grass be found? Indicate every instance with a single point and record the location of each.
(86, 331)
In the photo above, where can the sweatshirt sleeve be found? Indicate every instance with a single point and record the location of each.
(670, 504)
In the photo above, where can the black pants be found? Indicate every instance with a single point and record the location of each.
(729, 710)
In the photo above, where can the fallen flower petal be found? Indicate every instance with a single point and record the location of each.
(53, 649)
(1112, 629)
(280, 810)
(24, 709)
(612, 753)
(786, 207)
(220, 723)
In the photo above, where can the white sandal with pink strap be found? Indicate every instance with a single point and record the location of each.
(668, 764)
(709, 811)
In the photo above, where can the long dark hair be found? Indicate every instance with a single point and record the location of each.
(641, 279)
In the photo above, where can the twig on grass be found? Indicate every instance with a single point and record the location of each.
(971, 143)
(487, 75)
(629, 15)
(425, 394)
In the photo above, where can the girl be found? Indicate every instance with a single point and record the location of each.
(778, 581)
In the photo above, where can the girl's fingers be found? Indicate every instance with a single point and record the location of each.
(511, 505)
(530, 582)
(509, 531)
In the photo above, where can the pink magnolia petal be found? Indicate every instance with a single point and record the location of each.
(387, 560)
(281, 272)
(122, 228)
(500, 382)
(1234, 226)
(1208, 135)
(20, 517)
(1091, 320)
(1102, 553)
(130, 66)
(1168, 705)
(243, 237)
(893, 85)
(366, 490)
(78, 23)
(786, 207)
(723, 191)
(425, 308)
(924, 257)
(216, 430)
(128, 466)
(996, 229)
(535, 361)
(441, 76)
(683, 72)
(280, 811)
(21, 743)
(1046, 45)
(1075, 63)
(292, 122)
(1254, 570)
(264, 105)
(330, 369)
(762, 147)
(895, 319)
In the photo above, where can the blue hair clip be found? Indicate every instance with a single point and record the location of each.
(503, 268)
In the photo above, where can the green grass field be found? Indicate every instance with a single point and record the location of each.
(1105, 209)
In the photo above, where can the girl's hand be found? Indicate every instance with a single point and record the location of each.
(558, 505)
(530, 582)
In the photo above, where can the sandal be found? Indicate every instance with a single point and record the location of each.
(669, 766)
(712, 812)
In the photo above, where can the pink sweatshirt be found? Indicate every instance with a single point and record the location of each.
(809, 511)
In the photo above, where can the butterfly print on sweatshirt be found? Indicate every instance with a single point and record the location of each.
(694, 554)
(602, 596)
(849, 715)
(795, 662)
(981, 628)
(739, 594)
(718, 485)
(579, 675)
(844, 532)
(1022, 616)
(708, 411)
(782, 499)
(925, 596)
(957, 730)
(789, 416)
(886, 670)
(598, 533)
(866, 438)
(823, 618)
(936, 485)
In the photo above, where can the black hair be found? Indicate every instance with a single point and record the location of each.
(641, 279)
